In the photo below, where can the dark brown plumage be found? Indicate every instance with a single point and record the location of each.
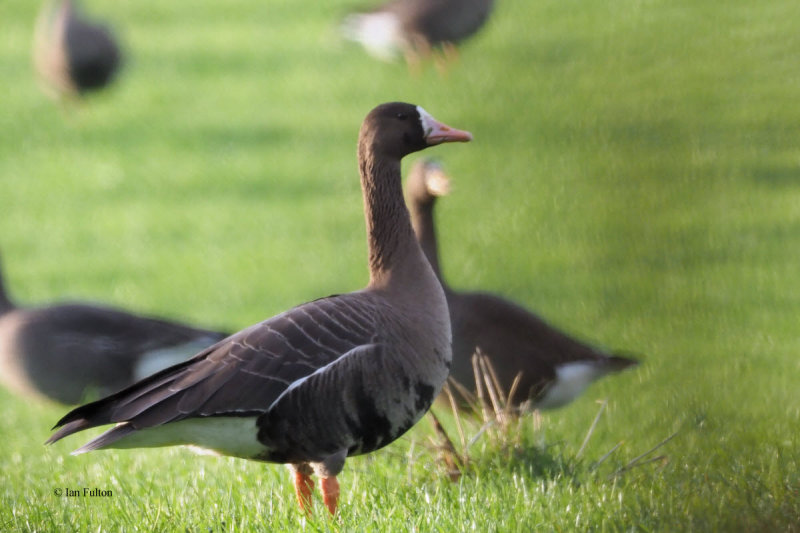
(414, 28)
(338, 376)
(72, 54)
(555, 367)
(69, 351)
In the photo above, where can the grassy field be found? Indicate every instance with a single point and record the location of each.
(635, 178)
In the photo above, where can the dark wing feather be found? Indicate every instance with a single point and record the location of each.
(242, 374)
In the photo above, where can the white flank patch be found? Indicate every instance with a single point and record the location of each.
(377, 33)
(157, 360)
(571, 380)
(235, 436)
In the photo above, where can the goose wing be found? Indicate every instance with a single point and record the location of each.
(242, 375)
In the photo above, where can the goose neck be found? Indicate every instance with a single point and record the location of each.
(425, 230)
(390, 237)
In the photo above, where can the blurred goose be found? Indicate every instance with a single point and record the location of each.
(338, 376)
(415, 27)
(73, 55)
(555, 367)
(68, 351)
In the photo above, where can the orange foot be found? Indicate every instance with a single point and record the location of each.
(303, 488)
(330, 492)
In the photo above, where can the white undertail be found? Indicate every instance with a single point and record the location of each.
(571, 380)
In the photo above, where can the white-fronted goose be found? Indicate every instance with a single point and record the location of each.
(555, 367)
(73, 55)
(70, 350)
(415, 27)
(339, 376)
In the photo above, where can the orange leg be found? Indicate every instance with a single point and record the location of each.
(303, 487)
(330, 492)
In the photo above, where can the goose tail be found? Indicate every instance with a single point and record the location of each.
(620, 361)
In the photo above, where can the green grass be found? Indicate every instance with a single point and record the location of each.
(635, 178)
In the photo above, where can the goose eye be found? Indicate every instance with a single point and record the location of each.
(401, 115)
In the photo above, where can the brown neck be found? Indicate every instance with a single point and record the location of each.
(422, 220)
(390, 238)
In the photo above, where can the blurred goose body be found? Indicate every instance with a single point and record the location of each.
(73, 55)
(555, 368)
(414, 28)
(67, 351)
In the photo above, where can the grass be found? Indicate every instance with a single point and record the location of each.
(634, 178)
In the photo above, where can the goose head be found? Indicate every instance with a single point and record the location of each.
(397, 129)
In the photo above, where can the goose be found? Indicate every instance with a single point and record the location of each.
(331, 378)
(415, 28)
(72, 54)
(68, 351)
(555, 368)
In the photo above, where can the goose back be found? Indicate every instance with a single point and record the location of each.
(93, 56)
(443, 21)
(416, 26)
